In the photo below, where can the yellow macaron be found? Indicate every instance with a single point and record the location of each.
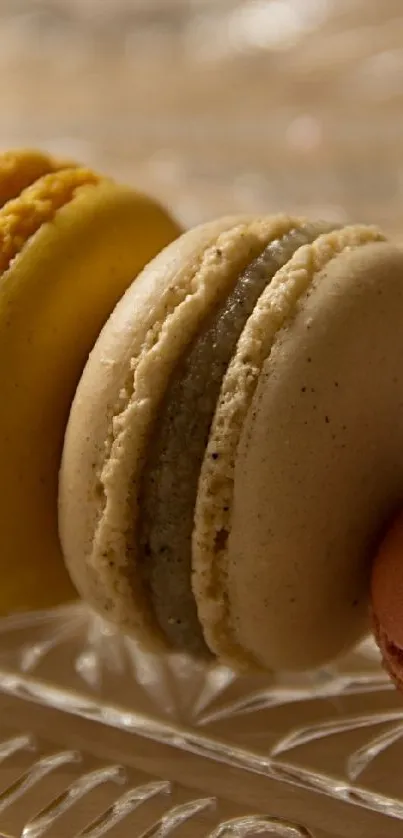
(71, 242)
(234, 447)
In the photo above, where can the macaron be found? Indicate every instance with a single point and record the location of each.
(71, 242)
(231, 452)
(387, 599)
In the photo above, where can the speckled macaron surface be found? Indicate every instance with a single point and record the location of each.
(238, 460)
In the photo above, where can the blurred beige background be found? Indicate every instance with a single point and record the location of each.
(216, 106)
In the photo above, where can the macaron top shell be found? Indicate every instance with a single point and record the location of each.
(387, 583)
(320, 465)
(180, 435)
(214, 516)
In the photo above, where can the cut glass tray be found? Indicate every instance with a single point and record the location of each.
(98, 738)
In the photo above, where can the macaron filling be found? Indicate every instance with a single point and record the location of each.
(170, 481)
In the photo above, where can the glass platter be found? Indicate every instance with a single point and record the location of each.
(186, 749)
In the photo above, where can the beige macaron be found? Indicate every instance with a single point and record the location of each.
(232, 450)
